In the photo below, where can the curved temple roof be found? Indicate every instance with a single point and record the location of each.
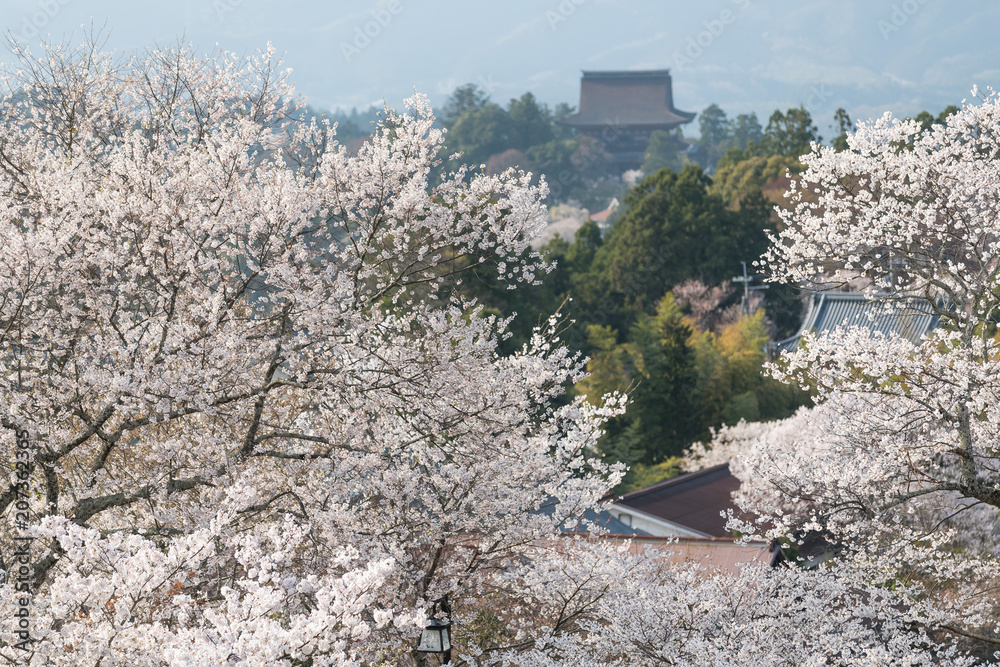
(640, 99)
(830, 310)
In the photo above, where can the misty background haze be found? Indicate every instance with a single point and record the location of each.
(867, 57)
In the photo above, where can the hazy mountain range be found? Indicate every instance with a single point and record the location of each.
(745, 55)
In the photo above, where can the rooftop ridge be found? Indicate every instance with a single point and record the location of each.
(669, 538)
(904, 315)
(622, 73)
(674, 481)
(640, 99)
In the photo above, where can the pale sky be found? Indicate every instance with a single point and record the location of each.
(745, 55)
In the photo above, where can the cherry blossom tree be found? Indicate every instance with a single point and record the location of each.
(900, 463)
(248, 420)
(640, 610)
(264, 429)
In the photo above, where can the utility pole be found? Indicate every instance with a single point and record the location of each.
(746, 280)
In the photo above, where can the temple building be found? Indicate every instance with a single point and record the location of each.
(910, 319)
(621, 109)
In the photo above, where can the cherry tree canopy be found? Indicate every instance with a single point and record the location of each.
(900, 464)
(261, 430)
(266, 431)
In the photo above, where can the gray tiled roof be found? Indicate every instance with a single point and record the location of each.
(632, 98)
(830, 310)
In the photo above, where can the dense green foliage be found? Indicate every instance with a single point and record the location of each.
(745, 130)
(464, 98)
(738, 175)
(575, 167)
(658, 363)
(683, 380)
(481, 132)
(683, 375)
(672, 229)
(689, 363)
(790, 133)
(664, 152)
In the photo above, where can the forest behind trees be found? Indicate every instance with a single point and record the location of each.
(256, 413)
(650, 297)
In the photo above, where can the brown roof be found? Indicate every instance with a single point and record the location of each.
(712, 553)
(636, 98)
(694, 500)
